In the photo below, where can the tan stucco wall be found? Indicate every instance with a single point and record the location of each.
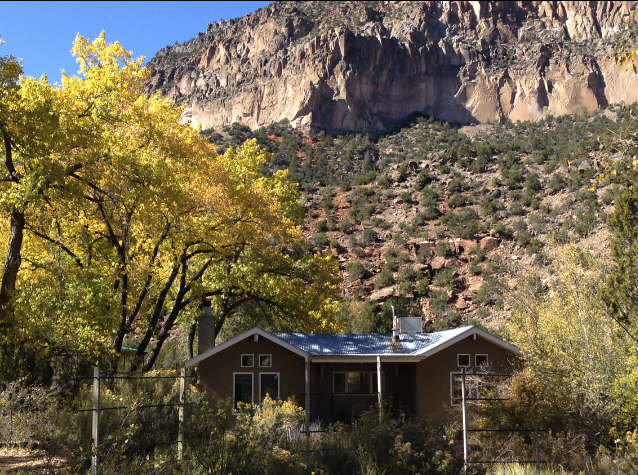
(216, 372)
(433, 373)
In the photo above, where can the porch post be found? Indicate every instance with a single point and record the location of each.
(379, 388)
(464, 420)
(307, 423)
(307, 398)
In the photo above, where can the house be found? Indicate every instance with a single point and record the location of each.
(337, 376)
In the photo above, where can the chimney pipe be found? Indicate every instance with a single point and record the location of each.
(395, 325)
(205, 328)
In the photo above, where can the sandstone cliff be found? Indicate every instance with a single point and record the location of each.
(346, 67)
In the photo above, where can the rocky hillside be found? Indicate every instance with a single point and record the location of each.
(438, 220)
(368, 66)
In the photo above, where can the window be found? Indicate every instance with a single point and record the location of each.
(463, 360)
(356, 382)
(268, 384)
(480, 360)
(242, 388)
(265, 361)
(247, 361)
(472, 389)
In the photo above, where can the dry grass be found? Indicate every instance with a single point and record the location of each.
(13, 460)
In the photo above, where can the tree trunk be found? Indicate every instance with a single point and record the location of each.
(11, 267)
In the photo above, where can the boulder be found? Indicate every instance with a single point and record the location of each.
(382, 294)
(489, 243)
(438, 263)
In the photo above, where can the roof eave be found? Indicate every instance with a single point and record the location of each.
(364, 358)
(472, 330)
(247, 334)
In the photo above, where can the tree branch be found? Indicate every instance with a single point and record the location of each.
(57, 243)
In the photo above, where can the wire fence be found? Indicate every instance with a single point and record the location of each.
(475, 378)
(101, 446)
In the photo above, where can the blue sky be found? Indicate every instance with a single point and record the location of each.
(41, 33)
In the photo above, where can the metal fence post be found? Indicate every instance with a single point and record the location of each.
(464, 420)
(95, 419)
(180, 414)
(379, 389)
(307, 419)
(538, 464)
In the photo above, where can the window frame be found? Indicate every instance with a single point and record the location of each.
(473, 390)
(469, 360)
(241, 360)
(252, 386)
(487, 360)
(261, 396)
(259, 360)
(373, 387)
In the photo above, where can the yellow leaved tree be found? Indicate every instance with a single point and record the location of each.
(136, 220)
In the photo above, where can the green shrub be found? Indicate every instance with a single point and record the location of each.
(442, 248)
(501, 230)
(443, 278)
(406, 196)
(438, 301)
(356, 270)
(422, 287)
(429, 198)
(346, 226)
(384, 279)
(457, 201)
(464, 223)
(357, 251)
(422, 180)
(490, 206)
(556, 182)
(320, 240)
(457, 184)
(516, 209)
(321, 226)
(370, 236)
(423, 254)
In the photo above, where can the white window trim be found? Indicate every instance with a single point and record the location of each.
(252, 387)
(372, 386)
(469, 360)
(487, 359)
(241, 360)
(259, 362)
(261, 396)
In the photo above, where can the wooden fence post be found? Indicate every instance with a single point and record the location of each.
(95, 419)
(180, 415)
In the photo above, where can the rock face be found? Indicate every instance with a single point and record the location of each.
(366, 67)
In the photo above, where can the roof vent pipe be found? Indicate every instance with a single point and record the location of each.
(395, 325)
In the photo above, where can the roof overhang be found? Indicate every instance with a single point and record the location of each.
(470, 331)
(372, 358)
(359, 358)
(242, 336)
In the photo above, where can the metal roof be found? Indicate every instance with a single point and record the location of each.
(359, 344)
(335, 346)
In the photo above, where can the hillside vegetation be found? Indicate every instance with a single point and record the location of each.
(436, 219)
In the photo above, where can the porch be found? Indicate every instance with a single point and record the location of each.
(341, 391)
